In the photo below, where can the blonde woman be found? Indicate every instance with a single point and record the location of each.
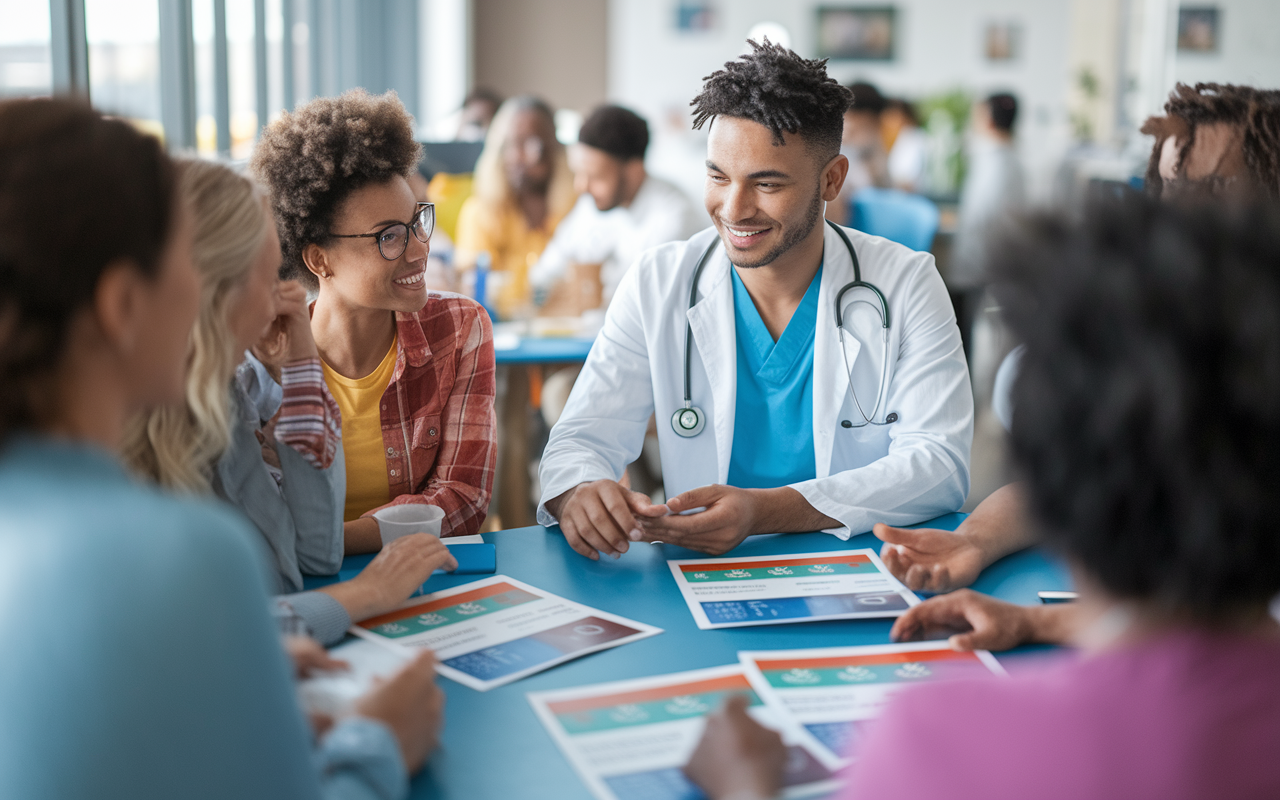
(523, 188)
(270, 449)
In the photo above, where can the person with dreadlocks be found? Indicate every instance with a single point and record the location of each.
(772, 416)
(1216, 139)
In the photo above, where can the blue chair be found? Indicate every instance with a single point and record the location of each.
(902, 217)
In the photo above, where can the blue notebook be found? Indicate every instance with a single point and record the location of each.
(473, 559)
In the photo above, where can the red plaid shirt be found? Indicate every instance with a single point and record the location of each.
(438, 422)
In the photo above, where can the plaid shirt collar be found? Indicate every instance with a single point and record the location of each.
(414, 348)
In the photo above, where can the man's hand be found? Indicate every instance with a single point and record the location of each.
(980, 622)
(930, 560)
(730, 515)
(737, 757)
(728, 518)
(412, 706)
(392, 576)
(288, 338)
(598, 517)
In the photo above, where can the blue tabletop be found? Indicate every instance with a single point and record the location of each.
(494, 746)
(550, 350)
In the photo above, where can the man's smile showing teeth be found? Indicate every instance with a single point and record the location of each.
(745, 233)
(411, 280)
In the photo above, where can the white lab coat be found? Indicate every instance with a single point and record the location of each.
(907, 472)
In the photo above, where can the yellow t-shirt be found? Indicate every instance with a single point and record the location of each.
(360, 401)
(512, 245)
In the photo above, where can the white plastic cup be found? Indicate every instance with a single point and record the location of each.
(402, 520)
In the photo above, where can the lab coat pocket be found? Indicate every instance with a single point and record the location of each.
(860, 446)
(424, 444)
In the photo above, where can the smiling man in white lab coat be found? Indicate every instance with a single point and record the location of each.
(764, 429)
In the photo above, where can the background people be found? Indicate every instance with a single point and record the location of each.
(1146, 425)
(994, 188)
(523, 188)
(411, 370)
(862, 143)
(621, 211)
(478, 110)
(132, 693)
(772, 454)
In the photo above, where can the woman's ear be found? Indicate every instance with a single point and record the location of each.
(117, 304)
(316, 261)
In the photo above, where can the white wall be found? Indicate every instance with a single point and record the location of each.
(1249, 46)
(657, 70)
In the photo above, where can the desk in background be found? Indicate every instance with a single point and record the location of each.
(493, 747)
(521, 359)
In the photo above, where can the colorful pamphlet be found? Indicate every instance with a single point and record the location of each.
(805, 587)
(498, 630)
(832, 691)
(629, 740)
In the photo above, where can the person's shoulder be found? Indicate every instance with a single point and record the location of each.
(884, 260)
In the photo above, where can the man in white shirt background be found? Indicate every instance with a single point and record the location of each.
(623, 210)
(993, 189)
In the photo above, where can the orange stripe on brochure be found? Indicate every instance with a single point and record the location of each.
(432, 605)
(849, 559)
(867, 660)
(729, 683)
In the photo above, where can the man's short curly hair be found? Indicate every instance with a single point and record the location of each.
(1145, 416)
(778, 89)
(312, 159)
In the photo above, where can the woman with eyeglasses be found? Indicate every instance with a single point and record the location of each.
(412, 371)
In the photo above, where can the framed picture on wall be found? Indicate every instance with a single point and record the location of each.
(862, 33)
(694, 17)
(1198, 29)
(1002, 41)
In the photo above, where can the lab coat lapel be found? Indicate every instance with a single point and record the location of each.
(830, 380)
(715, 342)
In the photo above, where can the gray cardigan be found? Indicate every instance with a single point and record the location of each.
(300, 518)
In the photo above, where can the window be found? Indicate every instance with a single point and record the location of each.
(124, 59)
(25, 63)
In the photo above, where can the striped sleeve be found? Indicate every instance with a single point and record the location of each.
(309, 420)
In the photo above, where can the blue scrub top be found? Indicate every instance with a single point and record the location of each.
(773, 416)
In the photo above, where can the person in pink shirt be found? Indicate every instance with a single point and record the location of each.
(1148, 431)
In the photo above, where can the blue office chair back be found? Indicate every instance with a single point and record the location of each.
(902, 217)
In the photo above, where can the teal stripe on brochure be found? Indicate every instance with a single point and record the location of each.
(632, 714)
(451, 614)
(904, 672)
(764, 573)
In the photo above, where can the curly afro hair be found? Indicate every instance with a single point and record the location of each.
(311, 160)
(780, 90)
(1145, 417)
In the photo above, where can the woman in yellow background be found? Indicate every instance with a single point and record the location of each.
(523, 188)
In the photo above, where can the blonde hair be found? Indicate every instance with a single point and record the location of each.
(491, 186)
(178, 446)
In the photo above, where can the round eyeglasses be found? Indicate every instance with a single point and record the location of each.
(393, 239)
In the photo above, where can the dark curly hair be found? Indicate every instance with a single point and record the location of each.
(77, 192)
(1146, 416)
(312, 159)
(1256, 111)
(778, 89)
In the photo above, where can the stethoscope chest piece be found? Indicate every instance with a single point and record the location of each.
(688, 421)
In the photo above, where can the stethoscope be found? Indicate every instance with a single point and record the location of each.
(689, 420)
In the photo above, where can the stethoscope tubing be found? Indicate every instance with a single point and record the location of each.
(856, 283)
